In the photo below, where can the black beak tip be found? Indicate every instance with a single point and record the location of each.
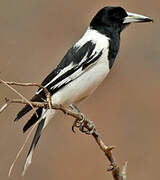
(146, 20)
(149, 20)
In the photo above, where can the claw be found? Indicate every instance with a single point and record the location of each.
(73, 130)
(86, 126)
(74, 125)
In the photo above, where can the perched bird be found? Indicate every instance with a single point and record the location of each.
(83, 68)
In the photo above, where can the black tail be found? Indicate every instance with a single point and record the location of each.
(27, 107)
(21, 113)
(44, 119)
(33, 145)
(33, 119)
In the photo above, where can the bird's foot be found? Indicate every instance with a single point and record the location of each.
(84, 125)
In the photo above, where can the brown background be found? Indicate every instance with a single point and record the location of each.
(34, 36)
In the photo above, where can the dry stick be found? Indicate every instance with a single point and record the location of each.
(46, 105)
(7, 84)
(38, 104)
(27, 84)
(8, 102)
(47, 93)
(117, 175)
(34, 104)
(19, 152)
(106, 149)
(5, 105)
(22, 101)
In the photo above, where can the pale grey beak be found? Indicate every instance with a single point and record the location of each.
(133, 17)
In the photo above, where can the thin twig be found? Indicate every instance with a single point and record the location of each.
(5, 105)
(19, 152)
(47, 93)
(27, 84)
(34, 104)
(46, 105)
(14, 90)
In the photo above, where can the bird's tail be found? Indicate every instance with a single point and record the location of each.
(46, 116)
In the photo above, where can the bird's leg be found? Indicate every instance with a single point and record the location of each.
(86, 126)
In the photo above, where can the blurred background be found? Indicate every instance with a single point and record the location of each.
(34, 36)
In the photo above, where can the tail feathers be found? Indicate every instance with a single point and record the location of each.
(33, 145)
(21, 113)
(27, 107)
(46, 116)
(33, 119)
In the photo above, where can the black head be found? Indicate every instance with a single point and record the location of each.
(115, 19)
(109, 15)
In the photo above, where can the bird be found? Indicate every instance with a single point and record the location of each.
(82, 69)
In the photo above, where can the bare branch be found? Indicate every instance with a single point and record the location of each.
(45, 105)
(47, 93)
(5, 83)
(26, 84)
(117, 174)
(81, 122)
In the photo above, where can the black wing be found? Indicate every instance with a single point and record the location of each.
(72, 65)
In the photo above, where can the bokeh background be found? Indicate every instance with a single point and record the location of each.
(34, 36)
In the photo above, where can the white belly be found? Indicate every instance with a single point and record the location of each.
(83, 86)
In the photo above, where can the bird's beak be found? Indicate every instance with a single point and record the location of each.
(137, 18)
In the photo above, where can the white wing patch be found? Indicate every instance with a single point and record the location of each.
(58, 75)
(72, 76)
(69, 78)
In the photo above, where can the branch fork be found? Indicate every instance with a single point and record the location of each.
(81, 122)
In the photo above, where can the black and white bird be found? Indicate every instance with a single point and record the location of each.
(83, 68)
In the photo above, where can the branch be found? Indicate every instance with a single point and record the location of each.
(47, 93)
(117, 174)
(42, 105)
(81, 122)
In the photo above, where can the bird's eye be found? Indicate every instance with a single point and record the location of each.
(116, 15)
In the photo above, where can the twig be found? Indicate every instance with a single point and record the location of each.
(45, 105)
(7, 84)
(22, 101)
(19, 152)
(5, 105)
(116, 173)
(114, 168)
(27, 84)
(47, 93)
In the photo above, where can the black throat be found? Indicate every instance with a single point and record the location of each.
(113, 33)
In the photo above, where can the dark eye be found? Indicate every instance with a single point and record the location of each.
(116, 15)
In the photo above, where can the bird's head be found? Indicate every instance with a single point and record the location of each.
(116, 18)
